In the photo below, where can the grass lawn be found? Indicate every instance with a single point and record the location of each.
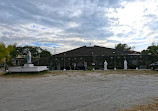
(23, 75)
(77, 72)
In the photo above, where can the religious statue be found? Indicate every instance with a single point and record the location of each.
(29, 57)
(125, 64)
(105, 65)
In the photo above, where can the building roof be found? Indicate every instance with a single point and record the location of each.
(94, 50)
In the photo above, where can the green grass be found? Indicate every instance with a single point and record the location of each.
(33, 74)
(119, 71)
(78, 72)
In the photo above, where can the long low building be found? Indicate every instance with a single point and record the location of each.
(93, 57)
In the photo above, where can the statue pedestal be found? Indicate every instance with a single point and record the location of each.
(28, 68)
(28, 65)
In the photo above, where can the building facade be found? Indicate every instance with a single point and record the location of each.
(93, 57)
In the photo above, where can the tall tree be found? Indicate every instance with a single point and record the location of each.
(3, 52)
(45, 53)
(6, 53)
(35, 51)
(123, 47)
(13, 51)
(153, 49)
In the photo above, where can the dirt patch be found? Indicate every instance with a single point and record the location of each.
(83, 72)
(148, 107)
(133, 72)
(24, 75)
(74, 73)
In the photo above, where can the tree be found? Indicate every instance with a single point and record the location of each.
(123, 47)
(35, 51)
(45, 53)
(13, 51)
(6, 53)
(3, 52)
(153, 49)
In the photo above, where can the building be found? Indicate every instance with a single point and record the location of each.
(93, 57)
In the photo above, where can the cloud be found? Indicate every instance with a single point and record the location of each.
(135, 20)
(74, 23)
(76, 13)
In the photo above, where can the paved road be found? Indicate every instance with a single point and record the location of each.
(92, 92)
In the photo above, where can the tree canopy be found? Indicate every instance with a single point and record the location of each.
(6, 53)
(3, 52)
(35, 51)
(123, 47)
(153, 49)
(11, 51)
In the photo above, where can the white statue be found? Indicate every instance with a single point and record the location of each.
(125, 64)
(29, 57)
(105, 65)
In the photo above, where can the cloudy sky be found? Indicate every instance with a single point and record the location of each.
(60, 25)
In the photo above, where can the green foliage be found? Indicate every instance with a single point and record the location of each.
(123, 47)
(23, 50)
(35, 51)
(13, 51)
(24, 74)
(45, 53)
(6, 53)
(153, 49)
(3, 52)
